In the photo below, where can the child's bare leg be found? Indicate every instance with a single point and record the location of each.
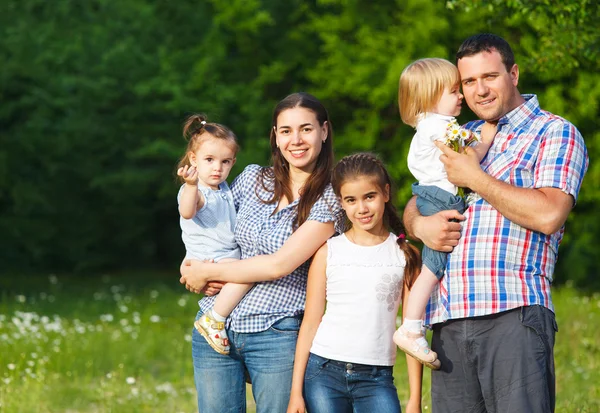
(409, 337)
(212, 324)
(229, 297)
(419, 295)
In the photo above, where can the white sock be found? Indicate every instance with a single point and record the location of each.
(414, 326)
(218, 316)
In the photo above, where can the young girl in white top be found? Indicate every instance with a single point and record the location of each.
(345, 357)
(429, 100)
(208, 215)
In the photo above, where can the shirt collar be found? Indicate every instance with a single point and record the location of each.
(428, 115)
(522, 114)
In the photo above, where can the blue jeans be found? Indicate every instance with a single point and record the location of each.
(267, 357)
(431, 200)
(337, 386)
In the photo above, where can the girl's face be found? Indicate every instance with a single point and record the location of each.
(364, 202)
(300, 138)
(450, 103)
(213, 160)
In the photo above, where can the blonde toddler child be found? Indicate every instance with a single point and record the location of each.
(429, 98)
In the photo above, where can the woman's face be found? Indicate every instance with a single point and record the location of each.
(300, 138)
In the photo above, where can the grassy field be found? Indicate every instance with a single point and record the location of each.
(122, 344)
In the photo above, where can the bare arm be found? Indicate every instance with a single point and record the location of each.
(298, 248)
(415, 371)
(488, 131)
(543, 209)
(314, 309)
(435, 231)
(191, 200)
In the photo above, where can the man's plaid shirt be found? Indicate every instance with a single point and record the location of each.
(499, 265)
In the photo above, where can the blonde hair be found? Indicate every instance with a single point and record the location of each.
(421, 86)
(197, 130)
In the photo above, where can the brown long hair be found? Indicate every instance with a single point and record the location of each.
(196, 130)
(367, 165)
(277, 179)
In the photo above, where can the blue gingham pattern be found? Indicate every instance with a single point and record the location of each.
(499, 265)
(258, 231)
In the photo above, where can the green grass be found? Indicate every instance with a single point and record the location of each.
(122, 344)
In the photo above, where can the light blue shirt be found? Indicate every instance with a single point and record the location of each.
(209, 234)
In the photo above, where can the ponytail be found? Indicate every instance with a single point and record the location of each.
(411, 253)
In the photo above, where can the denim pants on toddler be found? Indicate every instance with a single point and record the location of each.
(267, 356)
(340, 387)
(431, 200)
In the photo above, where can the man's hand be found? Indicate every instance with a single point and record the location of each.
(463, 169)
(440, 231)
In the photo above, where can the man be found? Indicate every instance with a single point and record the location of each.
(492, 314)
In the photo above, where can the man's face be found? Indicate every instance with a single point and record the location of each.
(490, 91)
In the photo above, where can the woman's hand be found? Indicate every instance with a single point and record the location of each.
(296, 404)
(191, 275)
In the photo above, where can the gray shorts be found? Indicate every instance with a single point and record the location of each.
(498, 363)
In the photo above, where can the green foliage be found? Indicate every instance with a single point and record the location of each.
(558, 37)
(94, 94)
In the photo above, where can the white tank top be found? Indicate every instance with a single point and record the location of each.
(364, 284)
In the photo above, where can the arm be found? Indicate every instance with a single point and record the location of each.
(190, 200)
(314, 309)
(297, 249)
(435, 231)
(543, 209)
(488, 131)
(415, 371)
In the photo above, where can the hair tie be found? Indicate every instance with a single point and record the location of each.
(401, 236)
(203, 122)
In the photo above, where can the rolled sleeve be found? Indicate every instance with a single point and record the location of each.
(562, 160)
(328, 209)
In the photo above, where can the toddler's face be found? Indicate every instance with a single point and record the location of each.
(450, 103)
(213, 160)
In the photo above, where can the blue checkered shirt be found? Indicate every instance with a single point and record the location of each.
(259, 232)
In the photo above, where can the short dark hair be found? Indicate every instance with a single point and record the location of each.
(487, 42)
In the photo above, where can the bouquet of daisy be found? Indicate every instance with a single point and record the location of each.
(459, 138)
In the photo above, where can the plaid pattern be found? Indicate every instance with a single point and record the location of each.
(499, 265)
(259, 231)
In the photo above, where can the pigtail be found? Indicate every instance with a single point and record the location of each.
(194, 125)
(411, 253)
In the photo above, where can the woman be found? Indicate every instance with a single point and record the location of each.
(284, 214)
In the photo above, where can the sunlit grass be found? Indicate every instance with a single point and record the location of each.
(122, 344)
